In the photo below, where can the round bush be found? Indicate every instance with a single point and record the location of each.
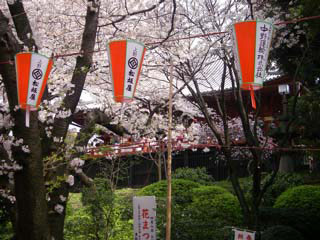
(198, 175)
(301, 197)
(181, 190)
(212, 209)
(181, 198)
(282, 182)
(281, 233)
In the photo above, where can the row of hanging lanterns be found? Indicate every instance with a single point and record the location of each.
(33, 69)
(251, 44)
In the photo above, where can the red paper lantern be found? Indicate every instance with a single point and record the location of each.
(125, 60)
(32, 72)
(251, 45)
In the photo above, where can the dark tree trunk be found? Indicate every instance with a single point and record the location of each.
(31, 203)
(32, 221)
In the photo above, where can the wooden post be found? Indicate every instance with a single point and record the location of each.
(168, 225)
(159, 160)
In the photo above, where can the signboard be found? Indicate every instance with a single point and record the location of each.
(144, 217)
(243, 235)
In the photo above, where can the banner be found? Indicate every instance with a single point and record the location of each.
(243, 235)
(144, 218)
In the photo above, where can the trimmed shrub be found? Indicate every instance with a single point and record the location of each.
(281, 233)
(198, 175)
(181, 198)
(181, 190)
(301, 197)
(302, 220)
(282, 182)
(213, 208)
(198, 212)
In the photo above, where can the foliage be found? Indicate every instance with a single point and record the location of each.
(181, 190)
(306, 121)
(281, 233)
(6, 230)
(301, 197)
(213, 208)
(245, 184)
(282, 182)
(305, 221)
(198, 212)
(297, 44)
(101, 214)
(198, 175)
(181, 198)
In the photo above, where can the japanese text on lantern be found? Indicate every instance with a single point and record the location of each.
(144, 218)
(36, 77)
(132, 64)
(263, 39)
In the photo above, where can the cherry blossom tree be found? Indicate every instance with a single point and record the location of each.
(27, 153)
(38, 164)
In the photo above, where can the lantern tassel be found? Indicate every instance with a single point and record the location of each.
(28, 117)
(253, 100)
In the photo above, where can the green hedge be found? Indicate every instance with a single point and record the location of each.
(198, 212)
(301, 197)
(304, 221)
(181, 190)
(213, 208)
(199, 175)
(181, 198)
(281, 233)
(282, 182)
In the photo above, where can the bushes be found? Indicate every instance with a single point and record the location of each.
(281, 233)
(302, 197)
(181, 190)
(198, 175)
(212, 209)
(181, 197)
(297, 207)
(198, 212)
(302, 220)
(101, 214)
(282, 182)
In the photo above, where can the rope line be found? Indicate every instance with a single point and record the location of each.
(175, 39)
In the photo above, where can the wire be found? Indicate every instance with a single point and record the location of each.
(176, 39)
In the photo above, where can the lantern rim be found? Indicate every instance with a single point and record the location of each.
(251, 86)
(29, 107)
(256, 20)
(21, 53)
(122, 99)
(126, 40)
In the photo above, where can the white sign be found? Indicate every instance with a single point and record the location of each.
(38, 69)
(133, 62)
(243, 235)
(263, 40)
(144, 217)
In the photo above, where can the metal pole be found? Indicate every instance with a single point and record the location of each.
(168, 225)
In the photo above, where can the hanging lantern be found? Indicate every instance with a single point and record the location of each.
(32, 72)
(251, 45)
(125, 61)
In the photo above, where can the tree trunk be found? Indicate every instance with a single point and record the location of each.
(32, 220)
